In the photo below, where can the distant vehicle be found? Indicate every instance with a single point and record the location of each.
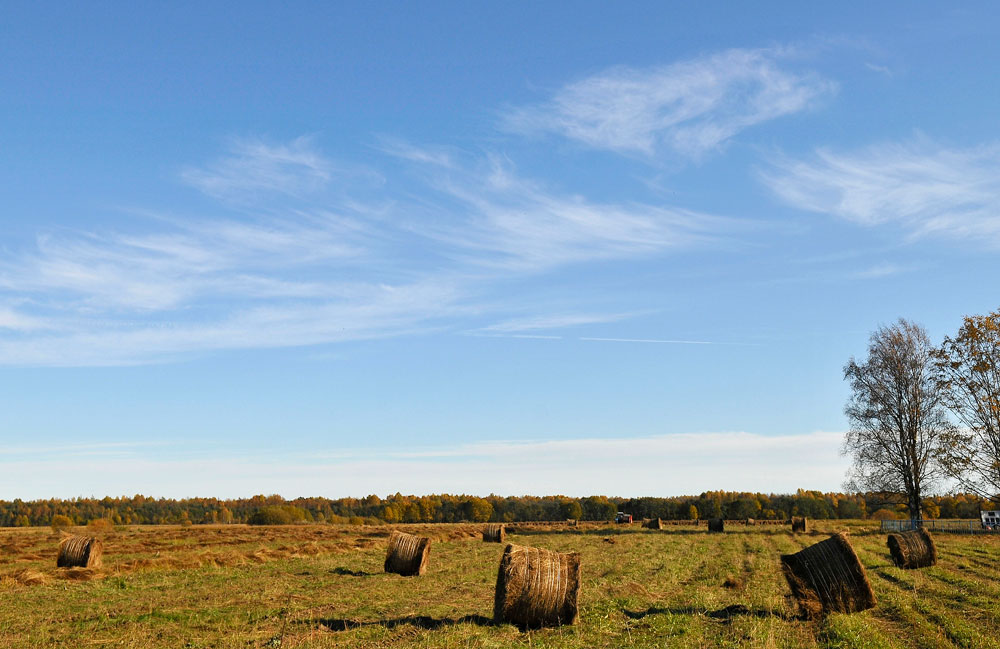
(991, 519)
(622, 517)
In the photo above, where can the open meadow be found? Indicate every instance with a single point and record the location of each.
(324, 586)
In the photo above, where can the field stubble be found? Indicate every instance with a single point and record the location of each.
(323, 586)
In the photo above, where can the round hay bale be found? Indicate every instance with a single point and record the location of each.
(537, 588)
(653, 524)
(799, 524)
(716, 525)
(494, 533)
(80, 552)
(913, 549)
(407, 554)
(749, 521)
(828, 578)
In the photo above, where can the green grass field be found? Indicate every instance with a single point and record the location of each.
(323, 586)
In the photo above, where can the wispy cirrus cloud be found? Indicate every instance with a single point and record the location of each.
(171, 267)
(878, 271)
(253, 167)
(558, 321)
(175, 286)
(881, 69)
(656, 341)
(14, 320)
(285, 271)
(503, 221)
(363, 312)
(924, 188)
(689, 107)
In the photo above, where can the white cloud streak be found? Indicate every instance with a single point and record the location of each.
(878, 271)
(690, 107)
(555, 321)
(651, 340)
(514, 224)
(363, 312)
(12, 320)
(924, 188)
(293, 274)
(660, 465)
(169, 268)
(253, 168)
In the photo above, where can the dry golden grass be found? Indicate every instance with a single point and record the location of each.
(323, 586)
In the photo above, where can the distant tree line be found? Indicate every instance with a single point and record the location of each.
(444, 508)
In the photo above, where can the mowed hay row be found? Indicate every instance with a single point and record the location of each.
(828, 578)
(26, 577)
(80, 552)
(653, 524)
(537, 588)
(913, 549)
(494, 533)
(407, 554)
(799, 524)
(716, 525)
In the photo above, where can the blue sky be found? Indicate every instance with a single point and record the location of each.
(343, 249)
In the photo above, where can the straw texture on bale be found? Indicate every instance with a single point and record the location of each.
(653, 524)
(407, 554)
(80, 552)
(716, 525)
(494, 533)
(537, 588)
(750, 521)
(799, 524)
(828, 578)
(913, 549)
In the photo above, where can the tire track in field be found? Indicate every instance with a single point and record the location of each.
(985, 566)
(953, 580)
(906, 606)
(768, 591)
(958, 630)
(895, 596)
(955, 628)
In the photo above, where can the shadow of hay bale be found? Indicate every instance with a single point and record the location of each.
(347, 572)
(419, 621)
(80, 574)
(725, 614)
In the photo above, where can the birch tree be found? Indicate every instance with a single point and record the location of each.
(899, 425)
